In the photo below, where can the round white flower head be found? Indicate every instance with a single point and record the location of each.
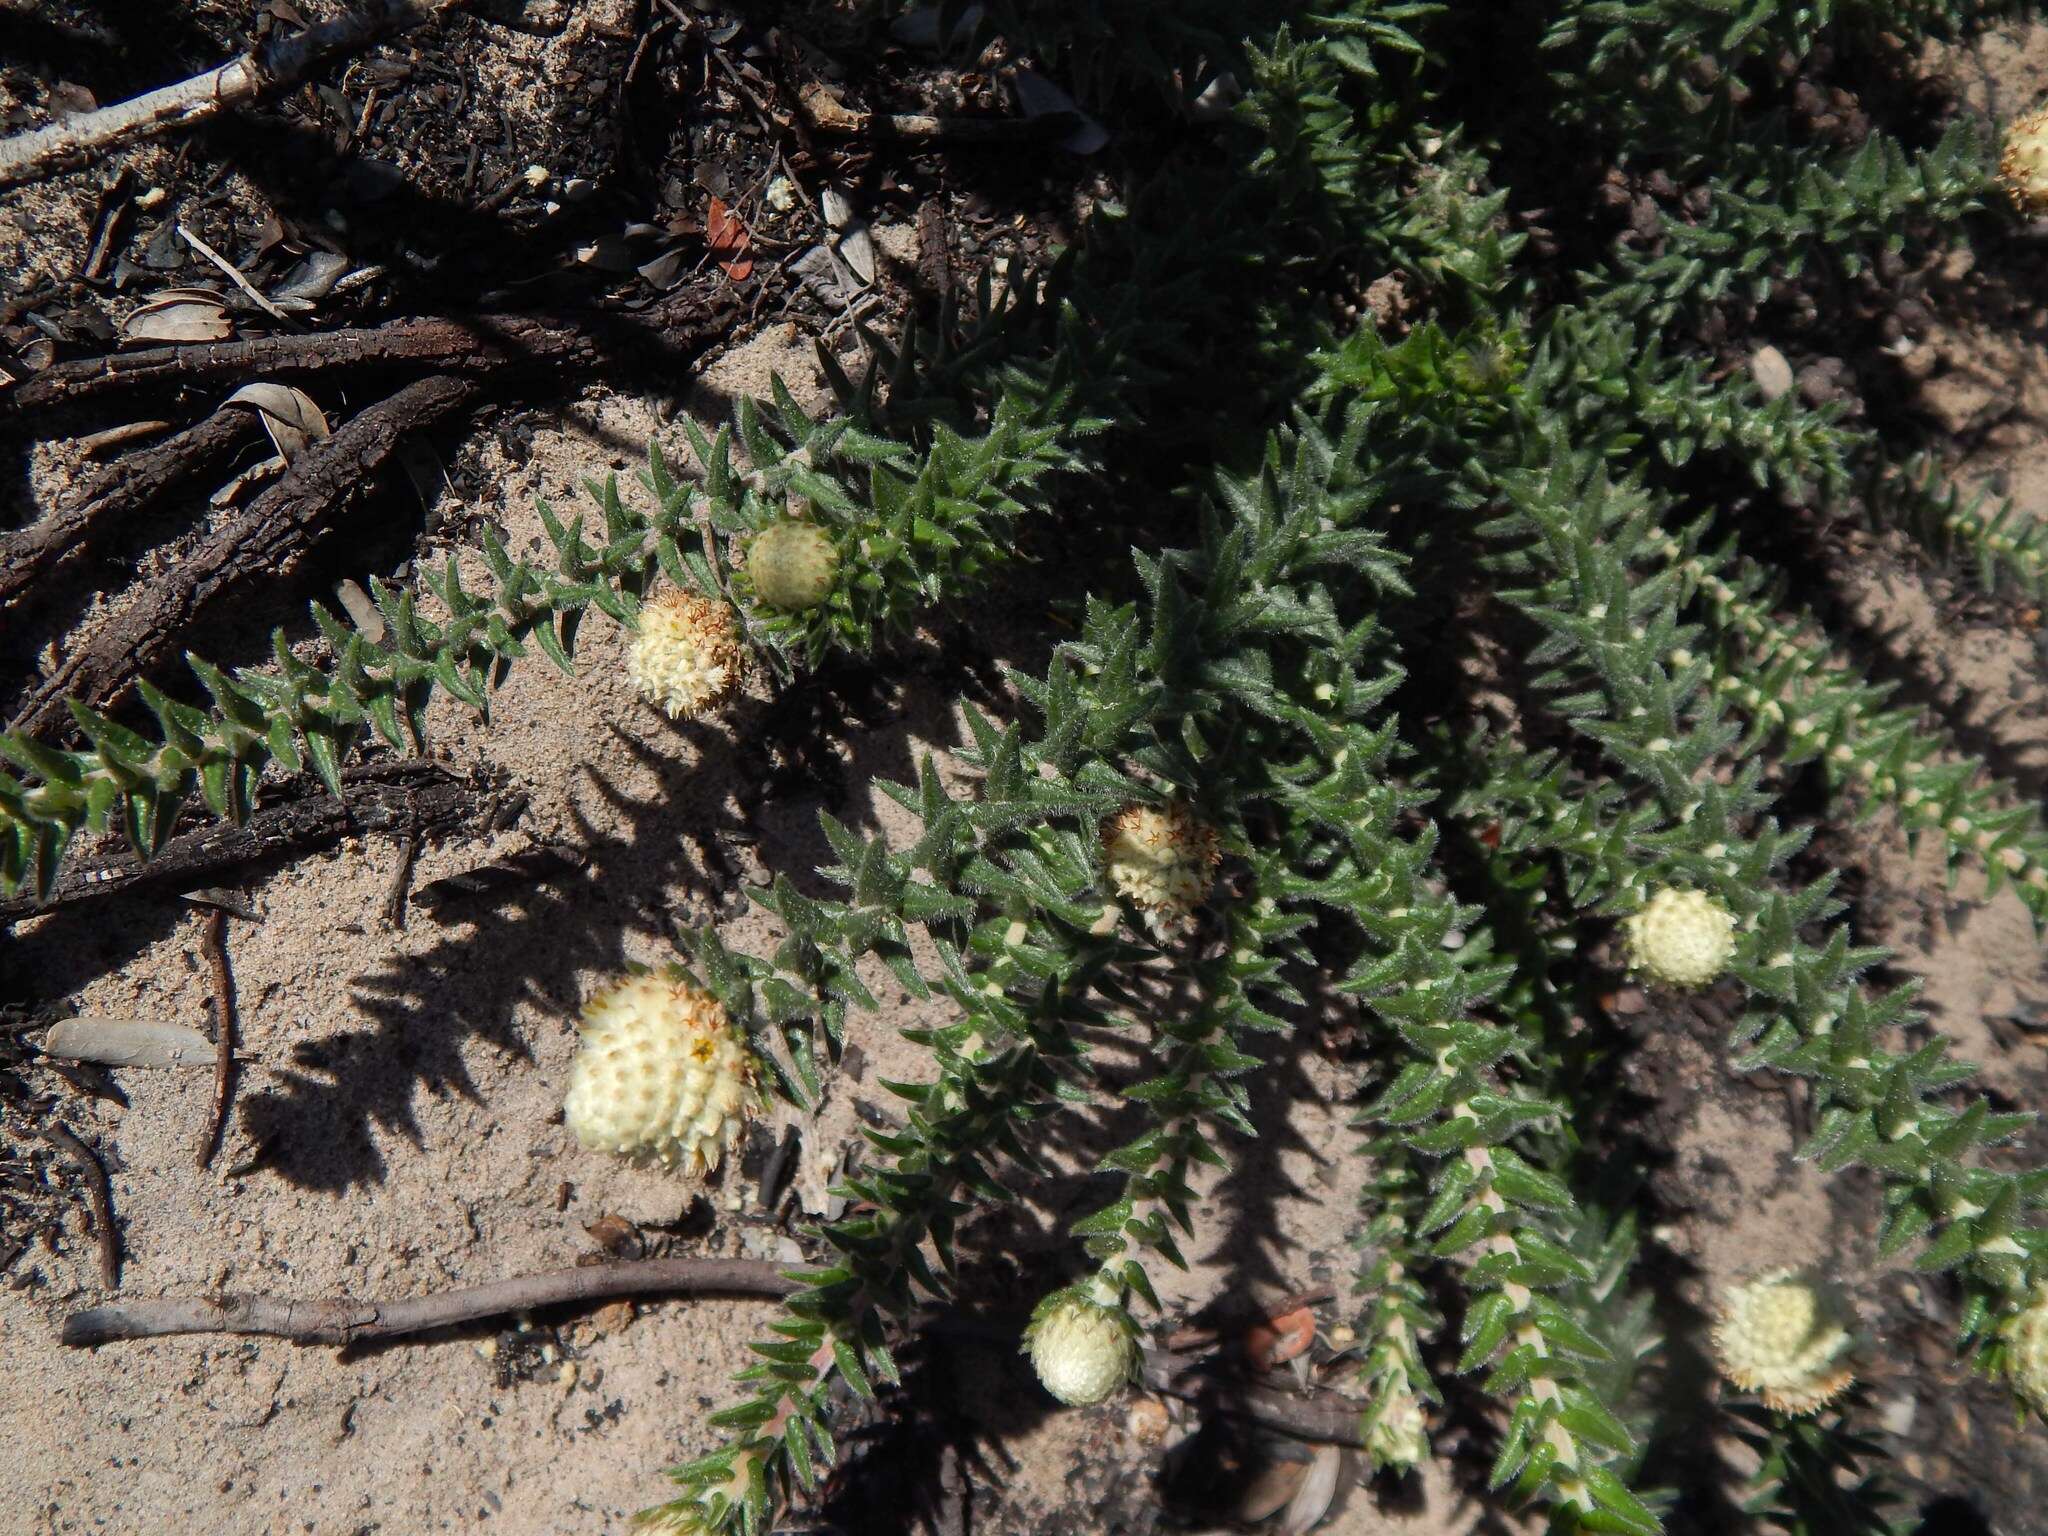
(1082, 1351)
(1397, 1435)
(1681, 938)
(686, 653)
(792, 565)
(2026, 1356)
(1784, 1339)
(2023, 168)
(1160, 858)
(663, 1075)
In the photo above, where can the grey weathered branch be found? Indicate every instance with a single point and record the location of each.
(475, 346)
(1318, 1415)
(117, 493)
(338, 1320)
(411, 797)
(266, 542)
(276, 66)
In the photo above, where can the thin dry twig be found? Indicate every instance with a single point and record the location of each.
(234, 275)
(401, 882)
(264, 71)
(224, 1026)
(101, 1195)
(338, 1320)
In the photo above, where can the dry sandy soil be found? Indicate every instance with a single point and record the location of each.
(397, 1124)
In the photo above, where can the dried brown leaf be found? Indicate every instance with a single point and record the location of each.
(1311, 1501)
(180, 315)
(289, 416)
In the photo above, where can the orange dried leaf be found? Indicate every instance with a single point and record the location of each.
(728, 239)
(1280, 1338)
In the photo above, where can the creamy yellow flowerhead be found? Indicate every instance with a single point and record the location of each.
(1160, 858)
(1082, 1351)
(2023, 168)
(2026, 1360)
(792, 565)
(685, 656)
(1681, 938)
(1784, 1339)
(663, 1075)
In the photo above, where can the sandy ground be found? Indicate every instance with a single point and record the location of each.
(398, 1129)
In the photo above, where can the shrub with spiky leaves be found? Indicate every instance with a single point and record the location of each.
(1540, 428)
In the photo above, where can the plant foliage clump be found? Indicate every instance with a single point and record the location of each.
(1382, 354)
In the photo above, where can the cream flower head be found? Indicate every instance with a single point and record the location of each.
(1784, 1339)
(1681, 938)
(2023, 168)
(662, 1075)
(1082, 1350)
(685, 656)
(1160, 858)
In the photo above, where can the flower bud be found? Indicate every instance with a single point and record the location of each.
(662, 1075)
(685, 655)
(1396, 1435)
(1082, 1350)
(1784, 1339)
(1681, 938)
(2026, 1358)
(792, 565)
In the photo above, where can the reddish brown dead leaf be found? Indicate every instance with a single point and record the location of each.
(1280, 1338)
(728, 239)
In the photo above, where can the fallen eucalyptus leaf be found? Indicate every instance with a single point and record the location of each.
(664, 272)
(1271, 1487)
(129, 1043)
(180, 315)
(1311, 1501)
(289, 416)
(1039, 97)
(821, 270)
(313, 278)
(858, 247)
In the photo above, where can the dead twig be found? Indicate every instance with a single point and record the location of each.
(264, 71)
(411, 796)
(401, 882)
(1321, 1416)
(116, 493)
(497, 345)
(263, 545)
(101, 1196)
(224, 1027)
(338, 1320)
